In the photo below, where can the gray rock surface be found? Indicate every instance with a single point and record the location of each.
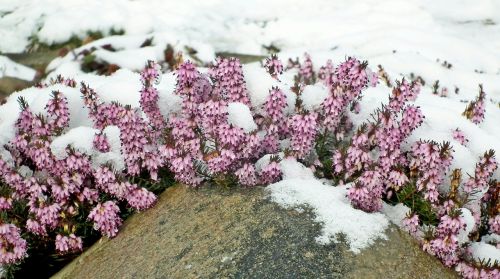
(239, 233)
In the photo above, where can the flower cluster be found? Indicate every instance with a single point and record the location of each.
(444, 245)
(470, 271)
(475, 109)
(431, 161)
(12, 246)
(203, 143)
(274, 66)
(459, 136)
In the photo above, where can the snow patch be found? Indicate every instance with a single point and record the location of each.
(240, 116)
(313, 96)
(484, 251)
(9, 68)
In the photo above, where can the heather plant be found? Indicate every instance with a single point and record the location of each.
(46, 198)
(475, 109)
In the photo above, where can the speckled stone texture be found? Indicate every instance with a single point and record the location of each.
(239, 233)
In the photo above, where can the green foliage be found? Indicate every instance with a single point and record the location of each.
(409, 196)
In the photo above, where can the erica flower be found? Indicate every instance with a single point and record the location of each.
(303, 128)
(5, 203)
(484, 170)
(470, 271)
(140, 198)
(229, 76)
(366, 193)
(66, 244)
(411, 224)
(274, 66)
(12, 246)
(246, 175)
(270, 173)
(306, 70)
(475, 109)
(105, 218)
(149, 98)
(494, 223)
(327, 73)
(459, 136)
(275, 105)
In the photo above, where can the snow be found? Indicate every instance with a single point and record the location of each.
(330, 205)
(258, 82)
(484, 251)
(463, 235)
(404, 36)
(240, 116)
(168, 102)
(123, 86)
(80, 138)
(133, 59)
(313, 96)
(395, 213)
(9, 68)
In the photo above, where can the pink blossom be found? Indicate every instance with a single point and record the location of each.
(270, 173)
(303, 129)
(229, 78)
(105, 218)
(459, 136)
(246, 175)
(274, 66)
(411, 224)
(494, 223)
(66, 244)
(12, 246)
(101, 142)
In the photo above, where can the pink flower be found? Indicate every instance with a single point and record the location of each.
(12, 246)
(230, 81)
(58, 110)
(327, 73)
(303, 128)
(66, 244)
(141, 199)
(475, 109)
(411, 224)
(459, 136)
(275, 105)
(246, 175)
(494, 223)
(105, 218)
(270, 173)
(366, 193)
(101, 142)
(274, 66)
(306, 71)
(5, 203)
(149, 98)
